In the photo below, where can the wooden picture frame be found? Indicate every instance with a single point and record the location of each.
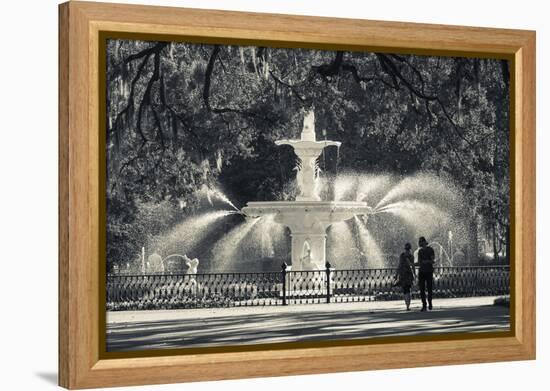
(81, 364)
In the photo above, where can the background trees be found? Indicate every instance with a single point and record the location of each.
(184, 115)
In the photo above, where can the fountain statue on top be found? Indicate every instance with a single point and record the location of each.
(308, 217)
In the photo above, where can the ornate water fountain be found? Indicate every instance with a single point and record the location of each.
(308, 218)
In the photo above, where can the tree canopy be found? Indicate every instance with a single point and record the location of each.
(180, 116)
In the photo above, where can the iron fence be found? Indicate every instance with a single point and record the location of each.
(172, 291)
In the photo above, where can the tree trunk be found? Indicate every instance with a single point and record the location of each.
(472, 248)
(495, 250)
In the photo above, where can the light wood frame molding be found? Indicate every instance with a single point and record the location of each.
(81, 364)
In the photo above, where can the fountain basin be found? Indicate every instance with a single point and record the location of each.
(308, 222)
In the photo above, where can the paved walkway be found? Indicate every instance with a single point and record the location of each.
(136, 330)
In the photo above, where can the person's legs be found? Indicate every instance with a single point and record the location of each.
(422, 287)
(429, 283)
(407, 296)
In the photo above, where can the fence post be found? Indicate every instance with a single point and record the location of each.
(327, 266)
(284, 266)
(476, 278)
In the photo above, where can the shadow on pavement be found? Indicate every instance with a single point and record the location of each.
(301, 326)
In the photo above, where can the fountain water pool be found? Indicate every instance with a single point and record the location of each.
(308, 217)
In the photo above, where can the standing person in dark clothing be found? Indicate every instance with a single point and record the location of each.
(426, 258)
(406, 273)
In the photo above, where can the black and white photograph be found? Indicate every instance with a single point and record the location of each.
(270, 195)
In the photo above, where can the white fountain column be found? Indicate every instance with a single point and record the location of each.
(306, 176)
(308, 154)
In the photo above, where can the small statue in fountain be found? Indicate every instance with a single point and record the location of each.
(192, 265)
(155, 263)
(307, 259)
(192, 269)
(308, 129)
